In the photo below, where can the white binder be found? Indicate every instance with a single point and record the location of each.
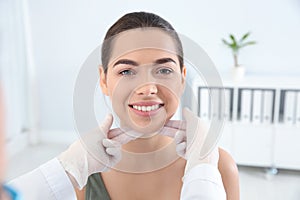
(227, 103)
(298, 109)
(245, 106)
(267, 107)
(257, 107)
(204, 103)
(214, 103)
(289, 107)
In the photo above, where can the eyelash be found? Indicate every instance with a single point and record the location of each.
(168, 69)
(126, 70)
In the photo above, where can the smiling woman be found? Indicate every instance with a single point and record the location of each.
(143, 73)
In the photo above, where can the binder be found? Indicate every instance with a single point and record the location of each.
(214, 103)
(227, 103)
(245, 106)
(289, 103)
(257, 107)
(268, 102)
(298, 109)
(204, 103)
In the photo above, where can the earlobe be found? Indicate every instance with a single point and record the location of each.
(183, 74)
(103, 83)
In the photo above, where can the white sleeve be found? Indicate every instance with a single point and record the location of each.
(49, 182)
(203, 182)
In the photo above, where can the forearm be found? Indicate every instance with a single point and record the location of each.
(49, 181)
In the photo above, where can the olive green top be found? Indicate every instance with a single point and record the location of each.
(95, 188)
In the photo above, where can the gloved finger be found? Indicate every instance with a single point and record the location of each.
(178, 124)
(116, 152)
(124, 138)
(110, 143)
(169, 131)
(114, 132)
(107, 123)
(180, 137)
(181, 149)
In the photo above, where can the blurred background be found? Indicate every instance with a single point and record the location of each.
(44, 43)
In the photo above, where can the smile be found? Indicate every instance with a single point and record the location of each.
(146, 107)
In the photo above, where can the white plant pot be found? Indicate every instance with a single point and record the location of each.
(238, 73)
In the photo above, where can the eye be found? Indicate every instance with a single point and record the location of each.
(126, 72)
(165, 71)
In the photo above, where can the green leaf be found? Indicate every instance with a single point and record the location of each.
(225, 42)
(232, 38)
(248, 43)
(245, 36)
(234, 43)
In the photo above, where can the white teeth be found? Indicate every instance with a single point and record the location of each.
(146, 108)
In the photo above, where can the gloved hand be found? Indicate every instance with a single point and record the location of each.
(92, 153)
(189, 138)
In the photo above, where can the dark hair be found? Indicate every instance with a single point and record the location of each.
(138, 20)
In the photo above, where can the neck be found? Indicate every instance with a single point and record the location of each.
(145, 145)
(145, 156)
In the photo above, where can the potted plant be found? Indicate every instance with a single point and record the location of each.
(235, 46)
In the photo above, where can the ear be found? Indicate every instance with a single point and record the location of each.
(183, 74)
(103, 83)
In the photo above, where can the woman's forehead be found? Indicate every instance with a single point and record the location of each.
(136, 40)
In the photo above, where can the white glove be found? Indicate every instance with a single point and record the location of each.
(90, 154)
(189, 138)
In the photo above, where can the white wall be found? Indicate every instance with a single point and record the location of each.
(65, 32)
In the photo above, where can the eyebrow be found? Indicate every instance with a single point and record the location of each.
(164, 60)
(126, 62)
(133, 63)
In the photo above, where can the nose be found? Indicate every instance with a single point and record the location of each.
(147, 90)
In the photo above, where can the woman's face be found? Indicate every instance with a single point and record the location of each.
(145, 86)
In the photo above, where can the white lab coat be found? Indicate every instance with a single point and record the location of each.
(50, 182)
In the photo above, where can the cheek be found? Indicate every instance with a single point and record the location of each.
(172, 102)
(120, 91)
(172, 89)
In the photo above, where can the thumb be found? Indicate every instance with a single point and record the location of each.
(192, 125)
(106, 124)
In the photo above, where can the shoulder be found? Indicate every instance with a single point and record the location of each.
(230, 175)
(226, 162)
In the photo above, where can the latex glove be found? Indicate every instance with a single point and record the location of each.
(124, 135)
(90, 154)
(189, 138)
(176, 129)
(196, 133)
